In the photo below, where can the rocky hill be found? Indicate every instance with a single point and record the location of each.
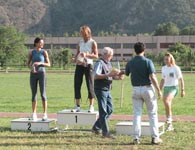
(23, 14)
(56, 17)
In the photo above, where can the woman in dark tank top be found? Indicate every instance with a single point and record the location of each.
(37, 60)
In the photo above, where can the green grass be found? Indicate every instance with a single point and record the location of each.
(16, 95)
(182, 138)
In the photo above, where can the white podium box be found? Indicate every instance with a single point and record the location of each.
(127, 128)
(66, 117)
(37, 126)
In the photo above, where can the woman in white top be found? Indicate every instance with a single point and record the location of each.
(86, 52)
(171, 76)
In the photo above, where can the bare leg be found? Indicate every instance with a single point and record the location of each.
(91, 107)
(78, 102)
(34, 106)
(91, 101)
(168, 102)
(44, 103)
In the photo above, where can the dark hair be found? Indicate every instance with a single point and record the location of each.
(139, 47)
(37, 40)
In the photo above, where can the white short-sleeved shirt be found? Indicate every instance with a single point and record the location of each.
(87, 47)
(171, 75)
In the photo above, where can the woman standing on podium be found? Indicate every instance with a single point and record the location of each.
(37, 60)
(86, 52)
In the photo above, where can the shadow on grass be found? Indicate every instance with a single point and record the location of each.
(64, 144)
(67, 137)
(81, 144)
(3, 129)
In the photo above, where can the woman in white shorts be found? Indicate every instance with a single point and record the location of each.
(171, 76)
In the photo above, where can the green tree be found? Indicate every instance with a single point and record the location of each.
(156, 58)
(40, 34)
(183, 54)
(51, 56)
(167, 29)
(66, 34)
(189, 30)
(151, 55)
(75, 34)
(66, 56)
(11, 44)
(61, 57)
(160, 58)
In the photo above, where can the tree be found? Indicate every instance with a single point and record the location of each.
(151, 55)
(183, 54)
(66, 34)
(189, 30)
(66, 56)
(60, 56)
(167, 29)
(160, 58)
(11, 44)
(157, 58)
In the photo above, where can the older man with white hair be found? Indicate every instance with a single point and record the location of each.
(103, 76)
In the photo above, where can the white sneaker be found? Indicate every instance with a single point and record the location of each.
(44, 118)
(34, 117)
(76, 109)
(169, 127)
(156, 141)
(91, 109)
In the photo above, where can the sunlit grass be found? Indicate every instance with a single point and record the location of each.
(182, 138)
(15, 95)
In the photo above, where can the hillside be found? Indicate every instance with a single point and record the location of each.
(56, 17)
(23, 14)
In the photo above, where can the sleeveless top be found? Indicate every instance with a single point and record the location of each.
(87, 47)
(38, 56)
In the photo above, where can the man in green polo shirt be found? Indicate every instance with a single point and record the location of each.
(142, 73)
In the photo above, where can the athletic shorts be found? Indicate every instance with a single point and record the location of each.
(173, 90)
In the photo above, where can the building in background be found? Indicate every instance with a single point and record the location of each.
(123, 46)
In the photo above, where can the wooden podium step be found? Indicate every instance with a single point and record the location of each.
(25, 124)
(66, 117)
(127, 128)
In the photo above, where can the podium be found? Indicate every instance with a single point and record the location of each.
(126, 128)
(25, 124)
(84, 118)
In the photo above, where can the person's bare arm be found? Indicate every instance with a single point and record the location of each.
(106, 76)
(94, 54)
(100, 76)
(182, 87)
(162, 84)
(120, 76)
(78, 51)
(155, 83)
(47, 61)
(74, 58)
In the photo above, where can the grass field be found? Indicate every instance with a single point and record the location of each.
(15, 96)
(183, 138)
